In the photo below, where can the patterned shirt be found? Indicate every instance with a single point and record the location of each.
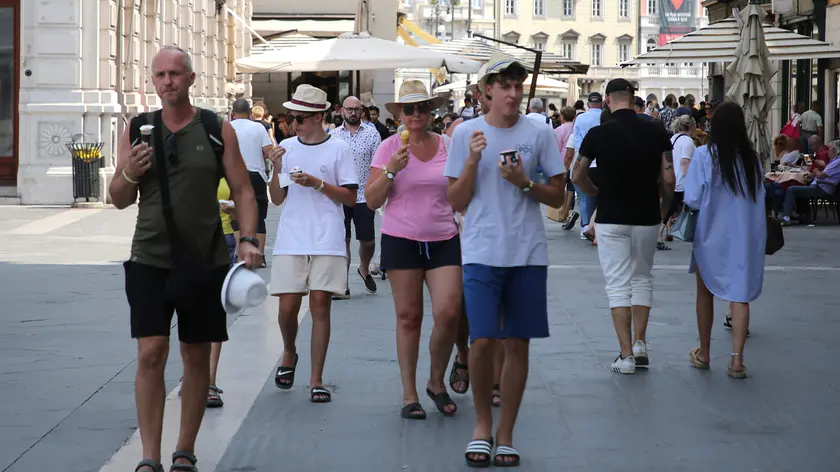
(364, 144)
(666, 116)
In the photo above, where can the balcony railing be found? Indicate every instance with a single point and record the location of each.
(679, 71)
(608, 73)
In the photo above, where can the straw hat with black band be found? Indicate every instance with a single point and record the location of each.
(308, 99)
(412, 92)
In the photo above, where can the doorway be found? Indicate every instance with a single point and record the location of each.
(9, 89)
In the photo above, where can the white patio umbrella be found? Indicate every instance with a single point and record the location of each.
(751, 73)
(353, 51)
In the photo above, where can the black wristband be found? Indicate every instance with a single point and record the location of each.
(253, 241)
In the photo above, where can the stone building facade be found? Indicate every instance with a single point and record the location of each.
(84, 69)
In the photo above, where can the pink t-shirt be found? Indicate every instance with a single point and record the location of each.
(418, 207)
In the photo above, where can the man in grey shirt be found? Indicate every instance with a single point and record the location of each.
(504, 249)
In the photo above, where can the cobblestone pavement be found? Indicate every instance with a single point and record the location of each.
(67, 368)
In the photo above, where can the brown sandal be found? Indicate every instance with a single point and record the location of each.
(695, 360)
(736, 374)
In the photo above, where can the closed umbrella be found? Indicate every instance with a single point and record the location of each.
(352, 51)
(751, 73)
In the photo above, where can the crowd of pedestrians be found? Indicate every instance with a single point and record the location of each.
(462, 215)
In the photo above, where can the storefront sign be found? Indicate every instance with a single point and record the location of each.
(676, 18)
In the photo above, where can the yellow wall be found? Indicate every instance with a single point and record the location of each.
(554, 24)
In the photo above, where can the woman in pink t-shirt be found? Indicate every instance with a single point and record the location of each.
(420, 242)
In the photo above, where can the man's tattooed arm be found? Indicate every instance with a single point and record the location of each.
(580, 177)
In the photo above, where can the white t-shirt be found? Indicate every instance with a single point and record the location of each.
(312, 224)
(252, 138)
(541, 119)
(811, 121)
(683, 149)
(790, 158)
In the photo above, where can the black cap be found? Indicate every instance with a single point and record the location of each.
(241, 106)
(620, 85)
(640, 102)
(595, 97)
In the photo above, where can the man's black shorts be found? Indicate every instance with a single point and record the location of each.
(261, 193)
(151, 311)
(362, 217)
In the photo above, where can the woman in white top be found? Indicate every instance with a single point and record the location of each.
(683, 144)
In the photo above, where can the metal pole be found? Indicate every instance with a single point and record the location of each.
(469, 17)
(537, 60)
(533, 90)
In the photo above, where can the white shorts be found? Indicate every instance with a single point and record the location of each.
(300, 274)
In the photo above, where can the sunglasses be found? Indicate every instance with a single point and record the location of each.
(171, 150)
(299, 118)
(421, 108)
(354, 111)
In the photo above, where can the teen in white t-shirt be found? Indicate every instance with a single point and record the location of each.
(316, 175)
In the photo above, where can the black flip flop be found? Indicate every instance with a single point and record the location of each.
(285, 373)
(320, 395)
(662, 247)
(441, 401)
(455, 377)
(409, 412)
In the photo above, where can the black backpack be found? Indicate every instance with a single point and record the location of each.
(209, 119)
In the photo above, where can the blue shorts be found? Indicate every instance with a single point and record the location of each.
(517, 292)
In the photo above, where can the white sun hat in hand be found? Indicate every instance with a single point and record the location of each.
(242, 289)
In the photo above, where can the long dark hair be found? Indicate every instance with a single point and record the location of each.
(729, 143)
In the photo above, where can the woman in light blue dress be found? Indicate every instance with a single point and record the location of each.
(724, 182)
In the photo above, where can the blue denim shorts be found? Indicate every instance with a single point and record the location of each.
(230, 240)
(506, 302)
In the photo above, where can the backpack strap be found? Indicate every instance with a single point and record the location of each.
(210, 121)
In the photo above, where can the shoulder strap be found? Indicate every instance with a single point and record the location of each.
(134, 128)
(210, 121)
(162, 172)
(446, 142)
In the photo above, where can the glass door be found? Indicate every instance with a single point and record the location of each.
(9, 68)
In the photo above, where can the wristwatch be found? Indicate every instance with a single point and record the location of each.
(252, 241)
(390, 175)
(528, 187)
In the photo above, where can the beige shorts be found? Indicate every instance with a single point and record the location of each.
(300, 274)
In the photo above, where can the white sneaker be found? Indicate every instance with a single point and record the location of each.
(641, 355)
(624, 366)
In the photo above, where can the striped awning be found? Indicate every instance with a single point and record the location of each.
(479, 50)
(717, 43)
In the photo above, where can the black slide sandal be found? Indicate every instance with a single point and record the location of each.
(497, 395)
(410, 412)
(285, 373)
(503, 452)
(320, 395)
(483, 447)
(441, 401)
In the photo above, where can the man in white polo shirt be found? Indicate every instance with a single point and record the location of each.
(318, 176)
(254, 144)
